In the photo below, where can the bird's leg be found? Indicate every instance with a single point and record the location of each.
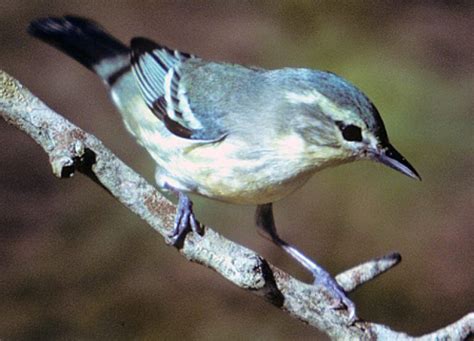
(266, 222)
(185, 220)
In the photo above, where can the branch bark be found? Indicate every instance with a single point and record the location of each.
(71, 149)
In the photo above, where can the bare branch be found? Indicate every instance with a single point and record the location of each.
(459, 330)
(71, 149)
(351, 279)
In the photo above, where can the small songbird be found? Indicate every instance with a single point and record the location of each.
(238, 134)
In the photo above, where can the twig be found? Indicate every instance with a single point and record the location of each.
(71, 149)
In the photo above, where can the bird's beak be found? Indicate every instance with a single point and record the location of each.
(389, 156)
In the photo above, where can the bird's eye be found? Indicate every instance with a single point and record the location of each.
(350, 132)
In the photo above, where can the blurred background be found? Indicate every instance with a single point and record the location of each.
(76, 264)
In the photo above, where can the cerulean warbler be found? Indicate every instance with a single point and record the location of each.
(238, 134)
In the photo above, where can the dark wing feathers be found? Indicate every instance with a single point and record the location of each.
(157, 70)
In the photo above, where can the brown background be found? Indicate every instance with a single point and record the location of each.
(76, 264)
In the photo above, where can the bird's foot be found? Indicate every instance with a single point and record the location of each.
(342, 301)
(185, 221)
(321, 278)
(265, 221)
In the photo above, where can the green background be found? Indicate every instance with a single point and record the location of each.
(76, 264)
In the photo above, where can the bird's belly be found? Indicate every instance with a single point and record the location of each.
(222, 174)
(251, 189)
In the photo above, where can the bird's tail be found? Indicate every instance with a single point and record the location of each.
(85, 41)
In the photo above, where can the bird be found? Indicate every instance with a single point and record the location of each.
(232, 133)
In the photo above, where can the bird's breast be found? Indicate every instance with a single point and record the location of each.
(240, 171)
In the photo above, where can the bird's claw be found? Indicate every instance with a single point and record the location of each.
(342, 301)
(185, 221)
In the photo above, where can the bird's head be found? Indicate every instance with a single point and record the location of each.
(341, 123)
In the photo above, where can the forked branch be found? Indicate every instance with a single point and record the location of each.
(70, 149)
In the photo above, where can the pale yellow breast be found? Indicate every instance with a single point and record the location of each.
(223, 172)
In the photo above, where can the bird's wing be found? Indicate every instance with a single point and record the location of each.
(158, 73)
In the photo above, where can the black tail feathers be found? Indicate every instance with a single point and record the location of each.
(80, 38)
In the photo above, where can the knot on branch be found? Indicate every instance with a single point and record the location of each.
(270, 291)
(65, 166)
(70, 155)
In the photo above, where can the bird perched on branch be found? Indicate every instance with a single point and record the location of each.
(238, 134)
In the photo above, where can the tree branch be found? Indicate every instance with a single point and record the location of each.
(70, 149)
